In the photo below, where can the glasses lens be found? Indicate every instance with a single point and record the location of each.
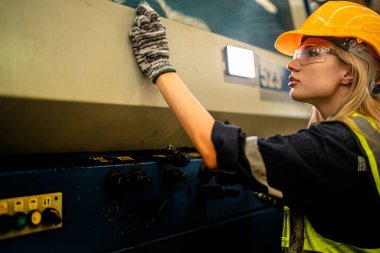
(309, 54)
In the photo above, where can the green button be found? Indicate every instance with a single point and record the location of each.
(20, 220)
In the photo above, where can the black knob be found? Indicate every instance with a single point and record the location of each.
(51, 216)
(137, 177)
(116, 182)
(173, 174)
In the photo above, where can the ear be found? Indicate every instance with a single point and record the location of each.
(348, 77)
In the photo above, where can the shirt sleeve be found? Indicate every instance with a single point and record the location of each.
(229, 143)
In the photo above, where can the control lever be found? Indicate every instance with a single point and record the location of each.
(176, 157)
(221, 176)
(173, 156)
(170, 159)
(216, 191)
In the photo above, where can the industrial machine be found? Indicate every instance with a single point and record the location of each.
(128, 202)
(93, 160)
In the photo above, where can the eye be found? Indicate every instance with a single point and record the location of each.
(313, 52)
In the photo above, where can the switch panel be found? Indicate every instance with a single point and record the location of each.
(30, 214)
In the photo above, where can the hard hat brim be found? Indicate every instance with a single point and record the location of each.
(289, 41)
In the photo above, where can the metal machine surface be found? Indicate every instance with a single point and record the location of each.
(83, 136)
(69, 82)
(136, 202)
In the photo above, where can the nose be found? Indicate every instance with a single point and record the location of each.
(293, 65)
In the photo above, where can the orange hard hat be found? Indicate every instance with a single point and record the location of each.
(335, 19)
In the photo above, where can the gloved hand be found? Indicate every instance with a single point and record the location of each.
(149, 42)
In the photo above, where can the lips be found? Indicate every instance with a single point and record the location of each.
(292, 81)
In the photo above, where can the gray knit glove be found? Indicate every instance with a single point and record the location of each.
(149, 42)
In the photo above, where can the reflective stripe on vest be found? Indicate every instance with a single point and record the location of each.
(370, 143)
(285, 238)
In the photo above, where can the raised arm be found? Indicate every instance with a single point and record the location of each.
(193, 117)
(150, 45)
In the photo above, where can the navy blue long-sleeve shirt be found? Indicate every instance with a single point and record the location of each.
(320, 172)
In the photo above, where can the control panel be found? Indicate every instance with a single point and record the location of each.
(136, 201)
(30, 214)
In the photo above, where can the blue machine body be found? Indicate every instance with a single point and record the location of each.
(162, 207)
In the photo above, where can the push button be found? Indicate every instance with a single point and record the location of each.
(34, 218)
(20, 220)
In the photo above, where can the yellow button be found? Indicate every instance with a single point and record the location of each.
(35, 218)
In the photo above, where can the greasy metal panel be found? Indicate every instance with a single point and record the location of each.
(40, 126)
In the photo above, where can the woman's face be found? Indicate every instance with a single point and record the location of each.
(317, 75)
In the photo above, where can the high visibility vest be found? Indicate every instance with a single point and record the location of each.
(369, 138)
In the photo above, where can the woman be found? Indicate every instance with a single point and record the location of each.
(325, 176)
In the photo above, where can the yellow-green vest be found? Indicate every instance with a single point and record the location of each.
(369, 138)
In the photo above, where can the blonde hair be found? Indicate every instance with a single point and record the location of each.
(359, 98)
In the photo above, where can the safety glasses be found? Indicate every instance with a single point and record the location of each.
(312, 53)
